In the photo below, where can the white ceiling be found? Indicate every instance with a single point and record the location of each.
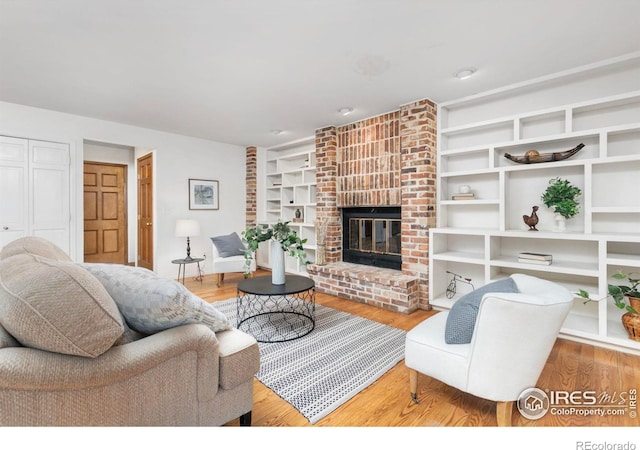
(233, 70)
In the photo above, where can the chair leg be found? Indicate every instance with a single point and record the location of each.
(245, 419)
(413, 385)
(503, 413)
(219, 279)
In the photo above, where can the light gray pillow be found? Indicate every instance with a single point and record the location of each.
(461, 320)
(150, 303)
(229, 245)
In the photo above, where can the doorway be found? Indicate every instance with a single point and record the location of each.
(105, 213)
(145, 211)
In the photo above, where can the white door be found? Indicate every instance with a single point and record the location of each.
(34, 191)
(49, 182)
(14, 189)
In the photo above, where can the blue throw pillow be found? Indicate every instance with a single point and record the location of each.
(462, 317)
(229, 245)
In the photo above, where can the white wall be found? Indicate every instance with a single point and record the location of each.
(177, 158)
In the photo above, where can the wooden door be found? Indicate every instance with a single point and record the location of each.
(105, 213)
(145, 211)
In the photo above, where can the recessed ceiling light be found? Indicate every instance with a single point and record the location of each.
(463, 74)
(345, 111)
(276, 132)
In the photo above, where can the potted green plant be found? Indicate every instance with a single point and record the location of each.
(631, 319)
(561, 195)
(283, 240)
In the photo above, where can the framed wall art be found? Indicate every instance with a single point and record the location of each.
(203, 194)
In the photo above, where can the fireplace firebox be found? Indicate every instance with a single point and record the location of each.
(371, 236)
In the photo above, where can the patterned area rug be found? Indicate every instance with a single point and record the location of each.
(322, 370)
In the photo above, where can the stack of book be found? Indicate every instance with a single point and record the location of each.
(461, 196)
(535, 258)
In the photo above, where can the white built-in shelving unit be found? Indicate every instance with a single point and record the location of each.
(289, 185)
(481, 238)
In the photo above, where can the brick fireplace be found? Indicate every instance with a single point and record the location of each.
(387, 160)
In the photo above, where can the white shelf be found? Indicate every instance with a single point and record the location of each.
(465, 151)
(623, 260)
(572, 267)
(481, 238)
(468, 257)
(479, 201)
(292, 165)
(616, 210)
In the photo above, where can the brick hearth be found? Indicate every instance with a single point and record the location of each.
(384, 288)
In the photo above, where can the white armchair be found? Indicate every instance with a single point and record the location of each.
(232, 259)
(512, 339)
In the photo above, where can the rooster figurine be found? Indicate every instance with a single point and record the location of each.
(531, 220)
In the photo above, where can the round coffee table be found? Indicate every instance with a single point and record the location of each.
(276, 312)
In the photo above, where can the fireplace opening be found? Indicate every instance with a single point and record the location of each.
(372, 236)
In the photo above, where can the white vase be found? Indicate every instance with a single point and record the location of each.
(561, 223)
(277, 263)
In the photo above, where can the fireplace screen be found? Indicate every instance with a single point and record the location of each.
(375, 235)
(372, 236)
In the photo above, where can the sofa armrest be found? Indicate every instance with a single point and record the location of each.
(23, 368)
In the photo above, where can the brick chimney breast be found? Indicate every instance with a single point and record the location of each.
(387, 160)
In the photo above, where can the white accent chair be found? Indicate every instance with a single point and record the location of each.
(230, 264)
(512, 339)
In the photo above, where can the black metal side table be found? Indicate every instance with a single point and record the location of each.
(182, 266)
(276, 313)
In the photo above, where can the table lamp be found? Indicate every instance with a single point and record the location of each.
(187, 228)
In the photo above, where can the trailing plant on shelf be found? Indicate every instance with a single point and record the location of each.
(280, 231)
(561, 196)
(618, 292)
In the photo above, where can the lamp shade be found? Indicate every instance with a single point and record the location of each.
(187, 228)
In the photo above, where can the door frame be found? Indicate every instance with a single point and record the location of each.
(126, 203)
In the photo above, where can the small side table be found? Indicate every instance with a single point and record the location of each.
(182, 266)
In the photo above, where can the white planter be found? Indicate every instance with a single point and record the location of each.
(561, 223)
(277, 263)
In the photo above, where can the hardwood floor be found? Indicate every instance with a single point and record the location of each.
(571, 367)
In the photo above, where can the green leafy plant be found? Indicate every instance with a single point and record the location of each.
(619, 292)
(561, 196)
(289, 240)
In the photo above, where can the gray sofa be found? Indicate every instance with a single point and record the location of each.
(68, 358)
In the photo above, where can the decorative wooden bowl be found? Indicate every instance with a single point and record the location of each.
(533, 156)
